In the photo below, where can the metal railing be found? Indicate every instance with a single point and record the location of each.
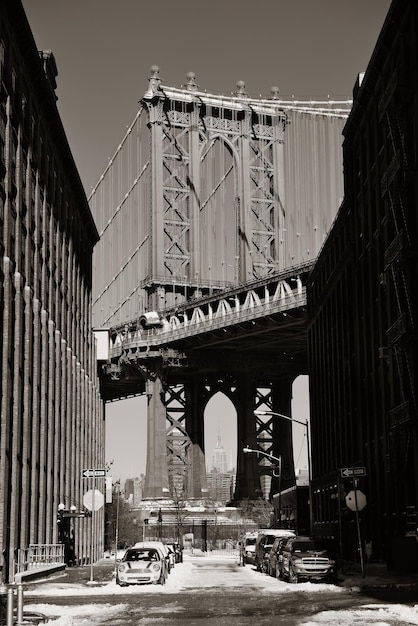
(39, 555)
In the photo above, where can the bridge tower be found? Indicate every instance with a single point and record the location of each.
(216, 190)
(191, 210)
(215, 217)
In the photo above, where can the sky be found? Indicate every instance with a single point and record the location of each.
(310, 49)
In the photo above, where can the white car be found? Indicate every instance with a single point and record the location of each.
(142, 565)
(161, 546)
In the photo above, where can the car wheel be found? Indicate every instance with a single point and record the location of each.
(293, 577)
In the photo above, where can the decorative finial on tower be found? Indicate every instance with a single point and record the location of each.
(154, 82)
(241, 89)
(274, 92)
(191, 84)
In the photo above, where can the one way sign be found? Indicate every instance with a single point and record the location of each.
(94, 473)
(349, 472)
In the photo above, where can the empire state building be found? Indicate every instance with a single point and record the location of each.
(219, 460)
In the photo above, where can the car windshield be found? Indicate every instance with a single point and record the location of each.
(250, 542)
(141, 555)
(308, 546)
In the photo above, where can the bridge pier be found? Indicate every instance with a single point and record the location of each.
(176, 448)
(248, 471)
(156, 477)
(197, 485)
(282, 435)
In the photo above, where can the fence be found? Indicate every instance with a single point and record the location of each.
(203, 534)
(39, 555)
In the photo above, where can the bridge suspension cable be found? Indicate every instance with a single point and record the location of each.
(120, 201)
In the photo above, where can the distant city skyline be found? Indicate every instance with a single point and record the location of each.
(126, 420)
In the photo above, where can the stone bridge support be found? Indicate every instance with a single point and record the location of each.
(176, 444)
(156, 477)
(282, 438)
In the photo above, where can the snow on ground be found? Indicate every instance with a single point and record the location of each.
(374, 614)
(201, 572)
(191, 574)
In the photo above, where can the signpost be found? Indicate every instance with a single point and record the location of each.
(352, 472)
(94, 473)
(93, 500)
(355, 500)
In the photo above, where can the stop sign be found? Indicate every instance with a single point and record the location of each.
(93, 500)
(356, 500)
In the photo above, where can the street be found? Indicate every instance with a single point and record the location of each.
(207, 590)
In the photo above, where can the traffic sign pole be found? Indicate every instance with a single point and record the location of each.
(93, 474)
(358, 528)
(93, 519)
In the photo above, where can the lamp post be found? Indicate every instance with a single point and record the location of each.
(276, 459)
(66, 530)
(305, 424)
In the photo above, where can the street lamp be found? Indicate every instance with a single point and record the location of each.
(305, 424)
(278, 460)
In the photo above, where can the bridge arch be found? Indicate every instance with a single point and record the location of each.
(220, 427)
(219, 211)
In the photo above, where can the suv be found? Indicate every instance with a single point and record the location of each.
(264, 543)
(307, 559)
(247, 548)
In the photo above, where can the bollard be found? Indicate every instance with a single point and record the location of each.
(9, 606)
(19, 587)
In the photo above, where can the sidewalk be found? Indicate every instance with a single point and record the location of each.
(376, 575)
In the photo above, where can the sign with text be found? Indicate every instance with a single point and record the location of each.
(352, 472)
(94, 473)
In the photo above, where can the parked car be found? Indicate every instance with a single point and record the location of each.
(247, 548)
(161, 546)
(275, 557)
(178, 552)
(307, 559)
(264, 542)
(142, 565)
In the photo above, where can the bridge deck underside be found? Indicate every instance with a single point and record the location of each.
(270, 348)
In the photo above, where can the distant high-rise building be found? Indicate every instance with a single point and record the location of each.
(133, 490)
(221, 482)
(219, 458)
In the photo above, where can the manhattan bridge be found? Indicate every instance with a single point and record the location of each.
(211, 214)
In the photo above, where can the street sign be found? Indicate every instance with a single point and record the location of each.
(350, 472)
(94, 473)
(93, 500)
(356, 500)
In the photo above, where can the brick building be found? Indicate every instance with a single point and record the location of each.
(51, 412)
(363, 303)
